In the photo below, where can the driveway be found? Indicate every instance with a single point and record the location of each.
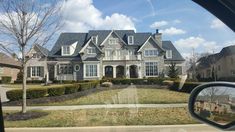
(3, 93)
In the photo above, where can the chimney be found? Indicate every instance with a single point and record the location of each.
(158, 37)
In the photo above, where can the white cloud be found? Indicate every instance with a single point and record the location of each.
(176, 21)
(82, 15)
(217, 24)
(158, 24)
(172, 31)
(198, 43)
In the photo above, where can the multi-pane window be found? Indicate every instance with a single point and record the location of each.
(91, 70)
(91, 50)
(151, 53)
(66, 50)
(94, 39)
(151, 69)
(36, 72)
(113, 41)
(35, 55)
(66, 69)
(130, 40)
(108, 54)
(169, 54)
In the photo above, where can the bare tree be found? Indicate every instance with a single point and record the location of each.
(24, 23)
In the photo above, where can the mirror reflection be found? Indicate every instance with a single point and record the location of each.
(216, 104)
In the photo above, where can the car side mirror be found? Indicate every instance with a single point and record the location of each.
(214, 104)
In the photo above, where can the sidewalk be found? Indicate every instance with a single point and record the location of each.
(157, 128)
(109, 106)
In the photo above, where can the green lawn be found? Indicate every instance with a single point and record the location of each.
(108, 117)
(128, 96)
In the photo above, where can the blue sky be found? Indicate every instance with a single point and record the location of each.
(183, 22)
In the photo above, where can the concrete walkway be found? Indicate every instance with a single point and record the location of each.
(3, 94)
(109, 106)
(158, 128)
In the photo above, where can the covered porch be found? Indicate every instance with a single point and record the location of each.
(122, 71)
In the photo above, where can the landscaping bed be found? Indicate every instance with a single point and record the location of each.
(107, 117)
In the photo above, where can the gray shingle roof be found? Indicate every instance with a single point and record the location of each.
(91, 59)
(82, 38)
(68, 39)
(43, 50)
(176, 56)
(9, 61)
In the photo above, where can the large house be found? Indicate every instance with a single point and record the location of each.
(104, 53)
(9, 66)
(218, 66)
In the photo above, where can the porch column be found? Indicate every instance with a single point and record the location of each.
(103, 70)
(139, 72)
(47, 75)
(127, 69)
(114, 71)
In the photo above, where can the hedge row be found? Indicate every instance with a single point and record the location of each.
(55, 81)
(17, 94)
(146, 81)
(29, 81)
(6, 79)
(186, 87)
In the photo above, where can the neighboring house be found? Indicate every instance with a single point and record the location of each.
(9, 66)
(219, 66)
(112, 54)
(37, 65)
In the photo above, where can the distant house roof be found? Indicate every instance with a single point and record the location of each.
(176, 56)
(206, 61)
(43, 50)
(9, 61)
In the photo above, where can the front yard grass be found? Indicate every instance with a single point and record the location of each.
(107, 117)
(128, 96)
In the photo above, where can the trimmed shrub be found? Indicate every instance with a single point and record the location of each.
(69, 89)
(29, 81)
(13, 95)
(56, 91)
(187, 86)
(6, 79)
(85, 86)
(0, 81)
(154, 80)
(36, 93)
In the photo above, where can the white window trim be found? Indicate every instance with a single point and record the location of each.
(108, 57)
(31, 71)
(65, 64)
(78, 68)
(157, 68)
(84, 69)
(151, 55)
(92, 48)
(115, 40)
(62, 49)
(169, 51)
(131, 40)
(96, 39)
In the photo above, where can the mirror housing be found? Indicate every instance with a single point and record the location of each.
(203, 108)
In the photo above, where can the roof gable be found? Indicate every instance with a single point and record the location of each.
(176, 56)
(150, 38)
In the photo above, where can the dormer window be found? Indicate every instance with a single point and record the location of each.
(91, 50)
(66, 50)
(130, 40)
(94, 39)
(169, 54)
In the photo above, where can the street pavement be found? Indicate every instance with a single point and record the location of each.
(157, 128)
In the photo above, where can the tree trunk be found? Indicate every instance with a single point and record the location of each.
(24, 81)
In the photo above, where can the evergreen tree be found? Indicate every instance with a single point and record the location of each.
(173, 71)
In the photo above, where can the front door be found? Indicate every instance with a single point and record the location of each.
(133, 71)
(109, 71)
